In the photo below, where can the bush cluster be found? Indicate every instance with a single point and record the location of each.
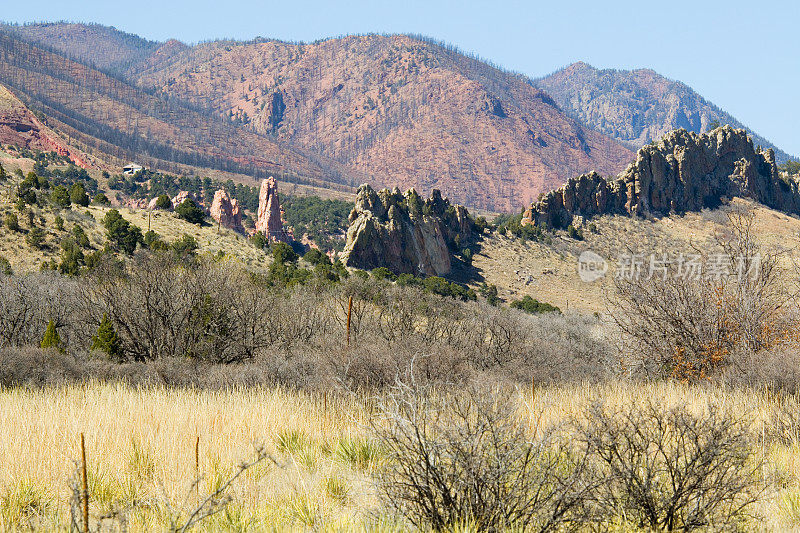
(209, 311)
(512, 225)
(470, 458)
(432, 284)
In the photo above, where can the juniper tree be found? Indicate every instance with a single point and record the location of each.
(51, 338)
(106, 340)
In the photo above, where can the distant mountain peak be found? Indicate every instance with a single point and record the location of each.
(636, 106)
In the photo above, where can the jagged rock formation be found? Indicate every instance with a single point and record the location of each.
(404, 233)
(682, 172)
(269, 221)
(226, 211)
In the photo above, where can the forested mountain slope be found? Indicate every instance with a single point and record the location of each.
(405, 111)
(107, 115)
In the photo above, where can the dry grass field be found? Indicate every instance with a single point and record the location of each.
(25, 258)
(549, 273)
(140, 445)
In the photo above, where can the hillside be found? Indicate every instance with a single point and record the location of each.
(118, 122)
(388, 110)
(636, 106)
(404, 111)
(104, 47)
(21, 128)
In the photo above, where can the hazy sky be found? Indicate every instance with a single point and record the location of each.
(742, 56)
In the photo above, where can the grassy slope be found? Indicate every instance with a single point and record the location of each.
(24, 258)
(553, 270)
(163, 425)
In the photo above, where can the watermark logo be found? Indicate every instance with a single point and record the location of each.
(677, 265)
(591, 266)
(691, 266)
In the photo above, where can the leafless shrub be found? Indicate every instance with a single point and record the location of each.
(184, 315)
(32, 366)
(468, 459)
(29, 302)
(693, 326)
(666, 469)
(776, 368)
(783, 426)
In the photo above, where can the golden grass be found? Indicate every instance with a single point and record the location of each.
(211, 239)
(140, 445)
(549, 272)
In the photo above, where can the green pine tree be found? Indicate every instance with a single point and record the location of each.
(107, 339)
(51, 338)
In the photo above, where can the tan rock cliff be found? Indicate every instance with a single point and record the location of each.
(404, 233)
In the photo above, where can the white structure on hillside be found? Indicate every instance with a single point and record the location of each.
(131, 169)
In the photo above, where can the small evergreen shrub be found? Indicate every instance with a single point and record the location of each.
(106, 340)
(35, 237)
(190, 212)
(163, 202)
(11, 221)
(101, 199)
(51, 338)
(78, 196)
(533, 306)
(60, 197)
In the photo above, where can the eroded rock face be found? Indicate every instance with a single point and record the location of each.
(226, 211)
(269, 221)
(404, 233)
(134, 203)
(182, 196)
(683, 172)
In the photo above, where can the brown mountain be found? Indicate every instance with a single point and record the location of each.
(404, 111)
(636, 106)
(117, 121)
(388, 110)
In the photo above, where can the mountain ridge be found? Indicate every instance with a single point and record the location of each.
(394, 110)
(637, 106)
(403, 111)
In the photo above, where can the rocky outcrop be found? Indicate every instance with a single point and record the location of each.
(682, 172)
(269, 221)
(226, 211)
(182, 196)
(404, 233)
(135, 203)
(20, 127)
(152, 204)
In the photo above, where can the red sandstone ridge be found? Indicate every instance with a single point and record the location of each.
(226, 211)
(269, 212)
(19, 127)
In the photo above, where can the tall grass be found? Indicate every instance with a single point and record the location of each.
(141, 447)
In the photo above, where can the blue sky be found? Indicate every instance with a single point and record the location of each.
(742, 56)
